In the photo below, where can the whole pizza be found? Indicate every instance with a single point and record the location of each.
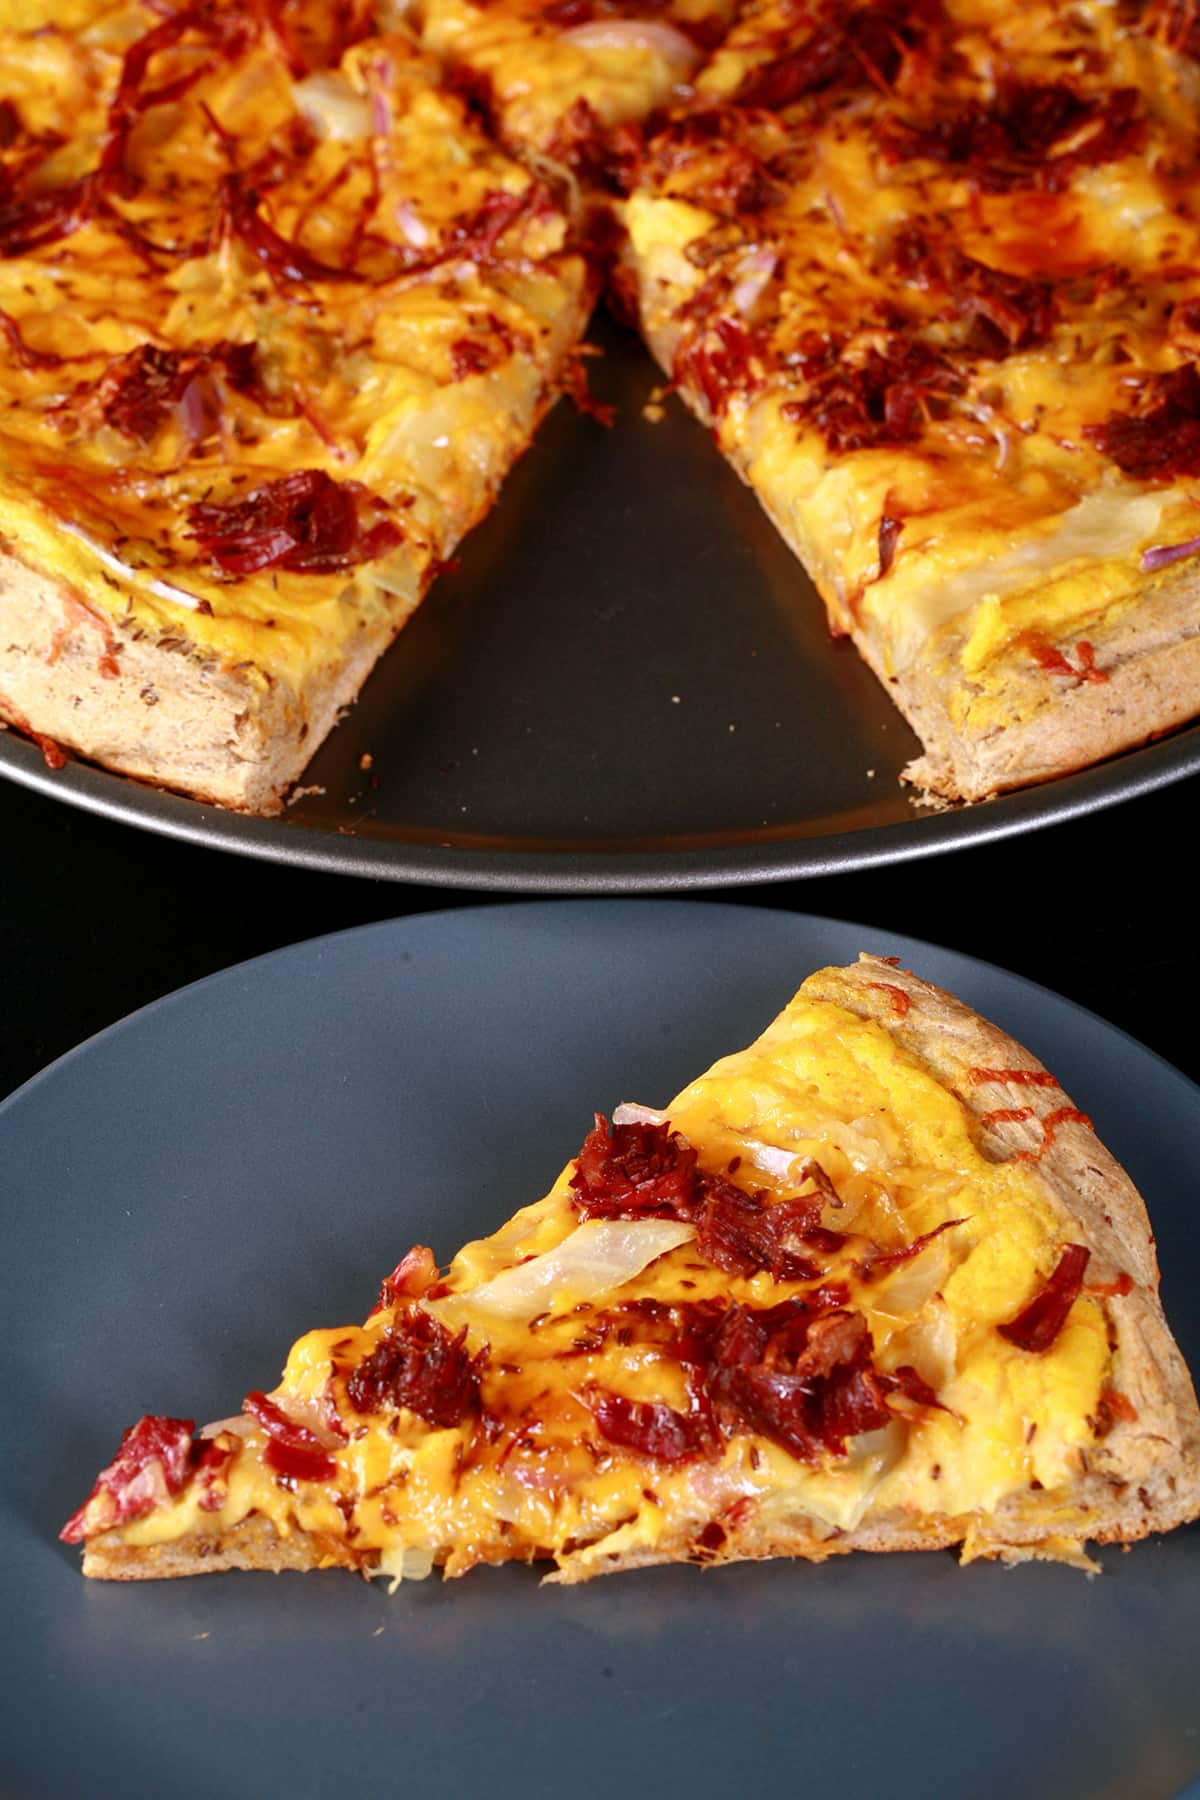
(286, 287)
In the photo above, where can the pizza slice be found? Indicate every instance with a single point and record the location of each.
(871, 1283)
(279, 317)
(931, 274)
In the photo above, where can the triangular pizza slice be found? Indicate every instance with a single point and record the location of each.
(871, 1283)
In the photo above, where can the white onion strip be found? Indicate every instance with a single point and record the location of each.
(662, 40)
(334, 109)
(599, 1255)
(629, 1113)
(165, 589)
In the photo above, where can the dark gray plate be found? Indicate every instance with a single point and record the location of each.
(196, 1186)
(628, 685)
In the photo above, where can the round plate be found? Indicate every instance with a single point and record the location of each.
(239, 1162)
(628, 684)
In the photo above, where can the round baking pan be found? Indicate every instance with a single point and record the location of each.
(627, 684)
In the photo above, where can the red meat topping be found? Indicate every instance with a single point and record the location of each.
(306, 522)
(222, 34)
(856, 47)
(737, 1232)
(640, 1170)
(881, 1261)
(800, 1373)
(1005, 312)
(1175, 23)
(635, 1171)
(284, 261)
(292, 1450)
(651, 1430)
(719, 358)
(29, 222)
(1160, 439)
(1037, 1326)
(413, 1274)
(420, 1365)
(884, 396)
(138, 390)
(718, 149)
(24, 357)
(1034, 135)
(154, 1454)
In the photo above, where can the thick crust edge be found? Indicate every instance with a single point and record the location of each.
(252, 1544)
(166, 710)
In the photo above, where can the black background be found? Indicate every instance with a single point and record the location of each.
(99, 918)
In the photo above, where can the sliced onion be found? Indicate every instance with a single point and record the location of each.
(638, 34)
(332, 107)
(240, 1426)
(866, 1142)
(197, 409)
(599, 1255)
(412, 227)
(399, 582)
(400, 1562)
(883, 1447)
(140, 577)
(629, 1113)
(754, 275)
(1161, 555)
(930, 1345)
(769, 1158)
(906, 1291)
(381, 113)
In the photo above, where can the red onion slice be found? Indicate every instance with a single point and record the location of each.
(1161, 555)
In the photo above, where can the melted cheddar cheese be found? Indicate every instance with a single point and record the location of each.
(531, 1476)
(913, 262)
(292, 182)
(553, 74)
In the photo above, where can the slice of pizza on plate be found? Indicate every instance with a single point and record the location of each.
(279, 318)
(871, 1283)
(932, 274)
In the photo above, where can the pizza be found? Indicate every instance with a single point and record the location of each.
(278, 318)
(871, 1283)
(931, 273)
(279, 312)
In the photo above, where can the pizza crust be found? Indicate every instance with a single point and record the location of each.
(254, 1543)
(166, 710)
(1149, 654)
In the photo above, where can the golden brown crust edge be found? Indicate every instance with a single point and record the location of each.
(165, 711)
(1053, 723)
(252, 1544)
